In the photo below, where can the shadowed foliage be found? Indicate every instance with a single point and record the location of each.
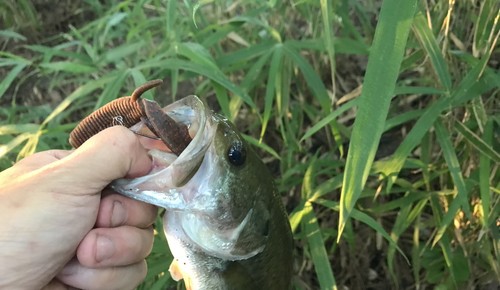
(379, 119)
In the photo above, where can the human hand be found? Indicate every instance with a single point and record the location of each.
(57, 233)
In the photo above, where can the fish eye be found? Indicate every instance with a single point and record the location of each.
(237, 154)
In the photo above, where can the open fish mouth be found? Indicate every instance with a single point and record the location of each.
(170, 171)
(191, 186)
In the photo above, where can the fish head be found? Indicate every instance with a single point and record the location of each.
(217, 188)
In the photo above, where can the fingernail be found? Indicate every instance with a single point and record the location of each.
(119, 214)
(105, 248)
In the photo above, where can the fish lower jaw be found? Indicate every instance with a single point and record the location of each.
(191, 263)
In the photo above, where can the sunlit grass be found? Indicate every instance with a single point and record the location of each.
(398, 150)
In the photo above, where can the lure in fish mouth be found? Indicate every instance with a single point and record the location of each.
(225, 223)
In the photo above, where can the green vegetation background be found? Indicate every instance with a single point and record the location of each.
(380, 119)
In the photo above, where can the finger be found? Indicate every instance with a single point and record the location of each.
(116, 210)
(41, 159)
(128, 277)
(103, 247)
(111, 154)
(34, 162)
(57, 285)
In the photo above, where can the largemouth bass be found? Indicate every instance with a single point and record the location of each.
(225, 222)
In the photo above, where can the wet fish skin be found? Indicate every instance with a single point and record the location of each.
(271, 268)
(225, 222)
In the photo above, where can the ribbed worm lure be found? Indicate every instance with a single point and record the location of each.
(128, 111)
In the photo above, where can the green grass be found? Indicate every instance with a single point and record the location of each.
(401, 180)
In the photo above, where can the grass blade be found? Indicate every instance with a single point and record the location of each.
(380, 80)
(479, 112)
(244, 54)
(296, 215)
(468, 89)
(276, 64)
(222, 98)
(448, 149)
(342, 45)
(390, 123)
(484, 174)
(120, 52)
(7, 81)
(140, 79)
(78, 93)
(30, 146)
(50, 52)
(402, 118)
(403, 221)
(70, 67)
(196, 53)
(417, 91)
(430, 44)
(6, 148)
(477, 142)
(18, 128)
(261, 145)
(456, 173)
(326, 5)
(332, 116)
(12, 34)
(364, 218)
(112, 89)
(209, 72)
(318, 251)
(249, 81)
(171, 13)
(313, 80)
(481, 33)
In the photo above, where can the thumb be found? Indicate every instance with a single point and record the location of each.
(111, 154)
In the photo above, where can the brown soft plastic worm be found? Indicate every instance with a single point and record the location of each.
(128, 111)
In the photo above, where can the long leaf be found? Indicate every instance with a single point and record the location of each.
(49, 52)
(140, 79)
(276, 63)
(78, 93)
(318, 251)
(477, 142)
(12, 34)
(484, 174)
(454, 167)
(70, 67)
(313, 80)
(121, 52)
(448, 149)
(364, 218)
(332, 116)
(380, 80)
(467, 90)
(209, 72)
(6, 148)
(261, 145)
(7, 81)
(326, 13)
(430, 44)
(113, 89)
(222, 98)
(244, 54)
